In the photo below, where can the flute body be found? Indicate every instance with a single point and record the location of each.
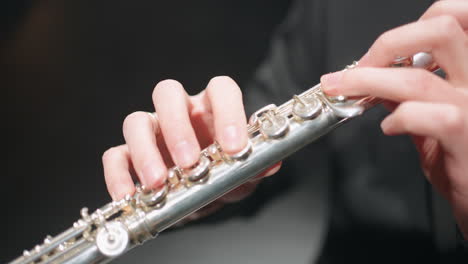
(275, 132)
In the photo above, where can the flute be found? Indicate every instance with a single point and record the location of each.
(275, 132)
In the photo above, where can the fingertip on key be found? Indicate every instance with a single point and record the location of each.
(120, 191)
(233, 139)
(186, 154)
(330, 82)
(153, 175)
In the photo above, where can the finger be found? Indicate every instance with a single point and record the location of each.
(248, 188)
(139, 130)
(458, 9)
(116, 163)
(395, 84)
(161, 145)
(171, 103)
(444, 122)
(206, 210)
(442, 36)
(202, 119)
(240, 192)
(230, 123)
(268, 172)
(202, 212)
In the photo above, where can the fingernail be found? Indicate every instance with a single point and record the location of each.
(185, 154)
(152, 175)
(231, 139)
(331, 81)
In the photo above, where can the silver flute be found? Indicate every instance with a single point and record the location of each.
(275, 132)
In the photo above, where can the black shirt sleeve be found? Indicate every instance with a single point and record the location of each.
(295, 60)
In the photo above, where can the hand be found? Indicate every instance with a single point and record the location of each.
(175, 135)
(432, 110)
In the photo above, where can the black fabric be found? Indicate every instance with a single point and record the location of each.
(380, 211)
(463, 243)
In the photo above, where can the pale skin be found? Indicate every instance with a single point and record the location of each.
(432, 110)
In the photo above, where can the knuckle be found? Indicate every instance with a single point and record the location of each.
(167, 86)
(387, 41)
(448, 27)
(448, 22)
(454, 120)
(439, 7)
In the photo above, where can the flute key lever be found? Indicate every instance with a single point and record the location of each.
(273, 126)
(307, 107)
